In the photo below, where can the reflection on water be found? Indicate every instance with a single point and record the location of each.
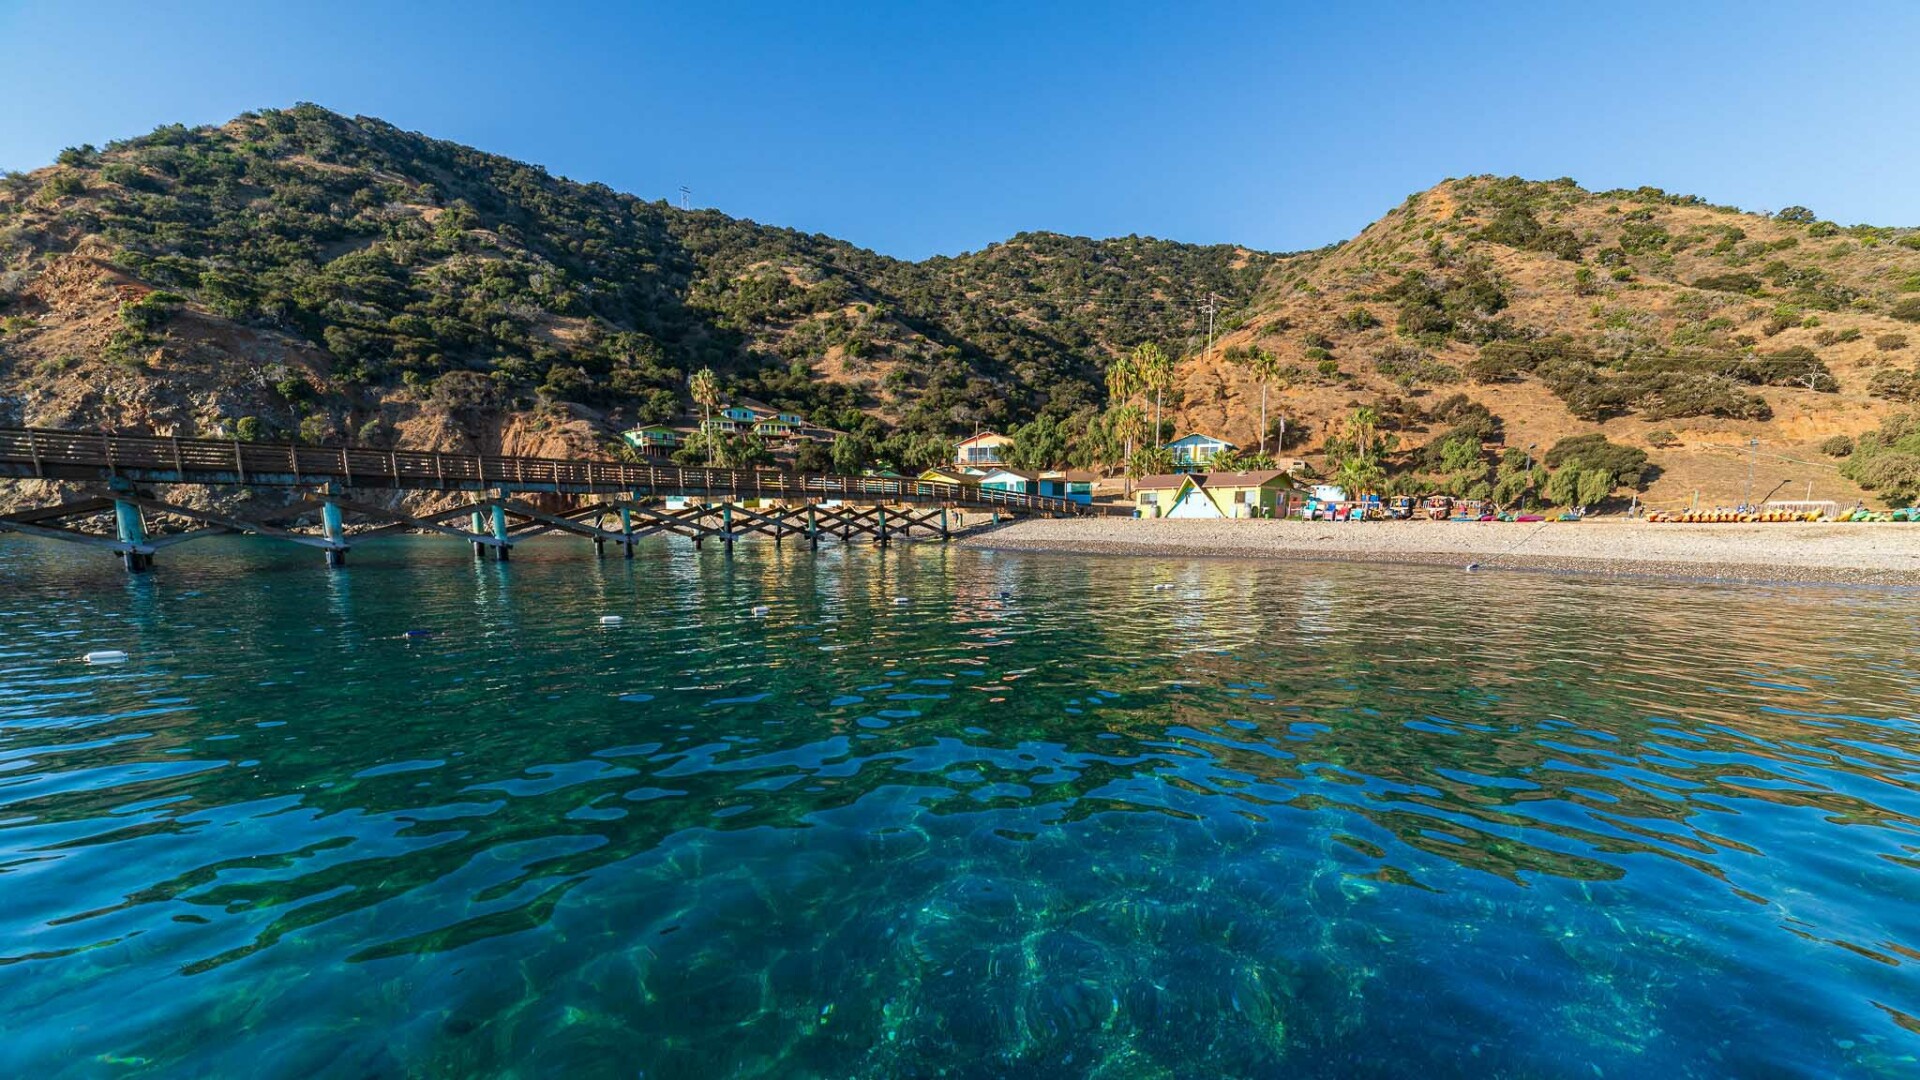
(1043, 818)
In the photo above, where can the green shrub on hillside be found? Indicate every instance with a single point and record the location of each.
(1907, 310)
(1887, 460)
(1433, 307)
(1358, 319)
(1734, 283)
(1890, 342)
(1796, 366)
(1895, 384)
(1625, 466)
(1837, 445)
(1409, 366)
(1515, 226)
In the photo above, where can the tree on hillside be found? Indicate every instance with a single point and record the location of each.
(1355, 454)
(1150, 461)
(705, 388)
(1268, 369)
(1239, 461)
(1126, 425)
(1039, 445)
(1123, 383)
(1155, 369)
(850, 453)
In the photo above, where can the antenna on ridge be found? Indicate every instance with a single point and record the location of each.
(686, 196)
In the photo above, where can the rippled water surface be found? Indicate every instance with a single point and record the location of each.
(1048, 817)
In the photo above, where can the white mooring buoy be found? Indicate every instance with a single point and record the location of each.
(611, 620)
(106, 656)
(901, 601)
(761, 611)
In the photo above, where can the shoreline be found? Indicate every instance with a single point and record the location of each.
(1792, 553)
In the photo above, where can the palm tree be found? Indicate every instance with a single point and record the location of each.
(1363, 426)
(1128, 423)
(1266, 368)
(1156, 374)
(1123, 382)
(705, 388)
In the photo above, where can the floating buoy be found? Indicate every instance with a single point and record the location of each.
(106, 656)
(611, 620)
(901, 601)
(761, 611)
(1157, 588)
(1006, 594)
(1472, 566)
(417, 634)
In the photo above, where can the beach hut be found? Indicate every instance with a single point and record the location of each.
(949, 475)
(1153, 495)
(1261, 493)
(1256, 493)
(1016, 481)
(1194, 452)
(985, 450)
(1073, 484)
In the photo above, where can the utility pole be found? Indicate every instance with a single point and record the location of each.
(1212, 306)
(1753, 446)
(686, 197)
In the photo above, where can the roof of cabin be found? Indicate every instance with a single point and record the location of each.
(1251, 478)
(982, 437)
(1200, 436)
(1160, 482)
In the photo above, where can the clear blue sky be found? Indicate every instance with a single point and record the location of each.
(939, 128)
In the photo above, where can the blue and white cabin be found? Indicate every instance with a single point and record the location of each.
(732, 418)
(1017, 481)
(1076, 485)
(1195, 452)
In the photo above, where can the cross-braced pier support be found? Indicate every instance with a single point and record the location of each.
(494, 524)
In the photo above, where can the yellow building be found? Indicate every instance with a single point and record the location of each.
(1264, 493)
(949, 475)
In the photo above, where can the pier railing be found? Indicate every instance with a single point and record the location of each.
(88, 455)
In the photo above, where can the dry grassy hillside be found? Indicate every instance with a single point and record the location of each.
(1633, 281)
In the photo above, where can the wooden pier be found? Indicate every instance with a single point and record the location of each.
(604, 501)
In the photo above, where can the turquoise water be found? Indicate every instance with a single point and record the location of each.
(1272, 820)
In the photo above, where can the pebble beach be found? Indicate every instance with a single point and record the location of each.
(1837, 553)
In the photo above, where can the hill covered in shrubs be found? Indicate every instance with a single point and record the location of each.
(1661, 321)
(324, 276)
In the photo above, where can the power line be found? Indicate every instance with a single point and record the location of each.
(1198, 302)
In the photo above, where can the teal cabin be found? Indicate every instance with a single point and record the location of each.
(1014, 481)
(731, 419)
(1195, 452)
(1074, 484)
